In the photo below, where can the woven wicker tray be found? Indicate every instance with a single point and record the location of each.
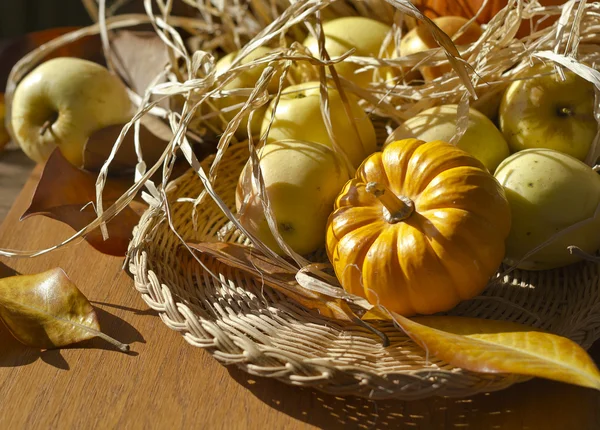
(243, 323)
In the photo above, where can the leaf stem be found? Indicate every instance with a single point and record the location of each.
(120, 346)
(398, 207)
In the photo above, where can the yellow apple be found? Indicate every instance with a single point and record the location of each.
(545, 112)
(548, 192)
(420, 39)
(246, 79)
(482, 139)
(302, 180)
(342, 34)
(4, 137)
(488, 102)
(298, 116)
(62, 102)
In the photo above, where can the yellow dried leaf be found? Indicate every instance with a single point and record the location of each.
(489, 346)
(46, 310)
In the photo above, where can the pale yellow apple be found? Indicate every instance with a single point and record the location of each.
(246, 79)
(302, 180)
(481, 139)
(62, 102)
(4, 137)
(298, 116)
(545, 112)
(548, 192)
(489, 101)
(342, 34)
(421, 39)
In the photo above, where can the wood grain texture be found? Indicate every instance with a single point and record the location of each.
(166, 383)
(15, 168)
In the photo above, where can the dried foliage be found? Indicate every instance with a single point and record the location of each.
(46, 310)
(64, 193)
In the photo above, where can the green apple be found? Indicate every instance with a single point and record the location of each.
(342, 34)
(302, 180)
(62, 102)
(481, 139)
(298, 116)
(545, 112)
(548, 192)
(246, 79)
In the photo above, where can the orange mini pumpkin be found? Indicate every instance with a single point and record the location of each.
(420, 228)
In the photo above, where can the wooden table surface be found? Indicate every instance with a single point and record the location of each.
(166, 383)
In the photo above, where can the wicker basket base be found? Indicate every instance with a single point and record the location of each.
(241, 322)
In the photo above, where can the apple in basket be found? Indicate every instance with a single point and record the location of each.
(62, 102)
(301, 180)
(548, 112)
(421, 39)
(365, 35)
(553, 199)
(481, 139)
(298, 116)
(246, 79)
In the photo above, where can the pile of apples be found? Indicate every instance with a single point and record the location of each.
(546, 123)
(533, 139)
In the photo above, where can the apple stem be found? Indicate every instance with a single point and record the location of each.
(47, 125)
(565, 111)
(398, 208)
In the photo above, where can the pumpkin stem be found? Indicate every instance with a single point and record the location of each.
(397, 208)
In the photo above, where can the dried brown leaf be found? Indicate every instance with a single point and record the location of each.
(141, 56)
(64, 193)
(47, 310)
(153, 141)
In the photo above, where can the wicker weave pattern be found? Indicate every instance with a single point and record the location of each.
(241, 322)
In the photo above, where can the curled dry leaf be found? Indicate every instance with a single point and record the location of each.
(64, 193)
(282, 279)
(47, 310)
(489, 346)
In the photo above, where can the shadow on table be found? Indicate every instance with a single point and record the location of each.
(534, 405)
(115, 327)
(14, 354)
(135, 311)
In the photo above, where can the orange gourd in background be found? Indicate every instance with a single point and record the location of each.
(420, 228)
(468, 9)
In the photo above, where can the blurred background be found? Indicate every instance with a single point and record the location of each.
(24, 16)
